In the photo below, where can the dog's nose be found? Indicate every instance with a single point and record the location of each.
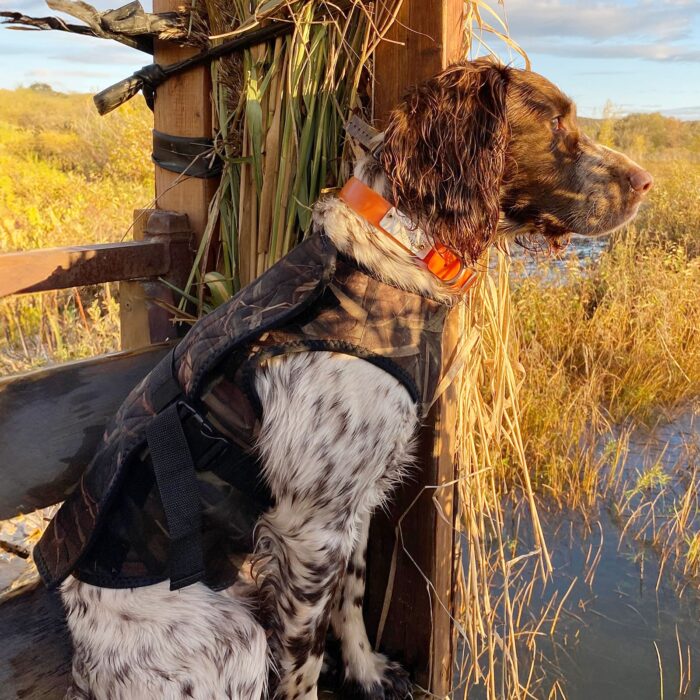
(640, 180)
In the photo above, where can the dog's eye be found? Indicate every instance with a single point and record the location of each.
(558, 124)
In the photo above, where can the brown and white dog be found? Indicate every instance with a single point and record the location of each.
(478, 152)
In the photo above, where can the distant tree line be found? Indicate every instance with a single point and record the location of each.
(642, 135)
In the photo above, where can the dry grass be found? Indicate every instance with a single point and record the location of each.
(65, 175)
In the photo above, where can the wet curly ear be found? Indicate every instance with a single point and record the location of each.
(444, 154)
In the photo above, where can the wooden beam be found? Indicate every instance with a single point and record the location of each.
(51, 421)
(426, 38)
(35, 661)
(143, 318)
(133, 302)
(183, 108)
(417, 628)
(76, 266)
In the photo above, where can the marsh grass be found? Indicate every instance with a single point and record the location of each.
(67, 176)
(614, 340)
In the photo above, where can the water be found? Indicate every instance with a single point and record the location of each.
(610, 651)
(581, 249)
(619, 634)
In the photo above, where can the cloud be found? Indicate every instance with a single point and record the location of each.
(666, 20)
(683, 112)
(663, 52)
(100, 51)
(48, 75)
(651, 30)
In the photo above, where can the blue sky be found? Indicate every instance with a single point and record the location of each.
(643, 55)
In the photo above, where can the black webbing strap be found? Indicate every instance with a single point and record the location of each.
(164, 386)
(177, 484)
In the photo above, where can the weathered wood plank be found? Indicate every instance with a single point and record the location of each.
(76, 266)
(418, 629)
(52, 419)
(36, 648)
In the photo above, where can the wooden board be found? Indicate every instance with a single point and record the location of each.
(145, 306)
(418, 629)
(52, 419)
(36, 649)
(133, 302)
(76, 266)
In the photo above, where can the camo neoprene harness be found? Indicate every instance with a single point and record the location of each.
(175, 488)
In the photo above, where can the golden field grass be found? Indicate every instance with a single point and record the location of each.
(67, 176)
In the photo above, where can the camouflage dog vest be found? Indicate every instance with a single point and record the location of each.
(175, 488)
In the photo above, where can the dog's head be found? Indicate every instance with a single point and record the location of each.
(483, 148)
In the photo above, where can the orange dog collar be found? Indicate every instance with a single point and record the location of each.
(437, 258)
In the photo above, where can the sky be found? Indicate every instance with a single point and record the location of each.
(640, 55)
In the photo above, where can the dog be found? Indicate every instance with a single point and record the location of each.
(477, 153)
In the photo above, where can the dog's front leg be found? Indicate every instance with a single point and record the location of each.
(366, 674)
(330, 456)
(308, 555)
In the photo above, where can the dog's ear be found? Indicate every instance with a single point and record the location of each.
(444, 155)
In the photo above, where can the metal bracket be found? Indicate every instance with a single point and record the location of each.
(364, 134)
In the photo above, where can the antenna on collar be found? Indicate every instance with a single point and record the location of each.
(365, 134)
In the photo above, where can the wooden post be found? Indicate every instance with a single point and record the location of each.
(145, 315)
(416, 627)
(183, 108)
(133, 305)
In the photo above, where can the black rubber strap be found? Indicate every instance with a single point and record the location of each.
(177, 484)
(194, 156)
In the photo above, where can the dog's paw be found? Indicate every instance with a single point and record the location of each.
(396, 682)
(393, 684)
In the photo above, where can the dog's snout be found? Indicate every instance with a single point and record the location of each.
(640, 180)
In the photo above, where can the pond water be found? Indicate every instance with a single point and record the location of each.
(620, 636)
(581, 249)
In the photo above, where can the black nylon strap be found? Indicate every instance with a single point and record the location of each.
(166, 388)
(177, 484)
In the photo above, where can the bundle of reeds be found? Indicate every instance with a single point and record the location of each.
(280, 110)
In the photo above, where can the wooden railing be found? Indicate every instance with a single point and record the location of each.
(76, 266)
(52, 419)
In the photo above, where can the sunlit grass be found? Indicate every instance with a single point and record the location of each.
(67, 176)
